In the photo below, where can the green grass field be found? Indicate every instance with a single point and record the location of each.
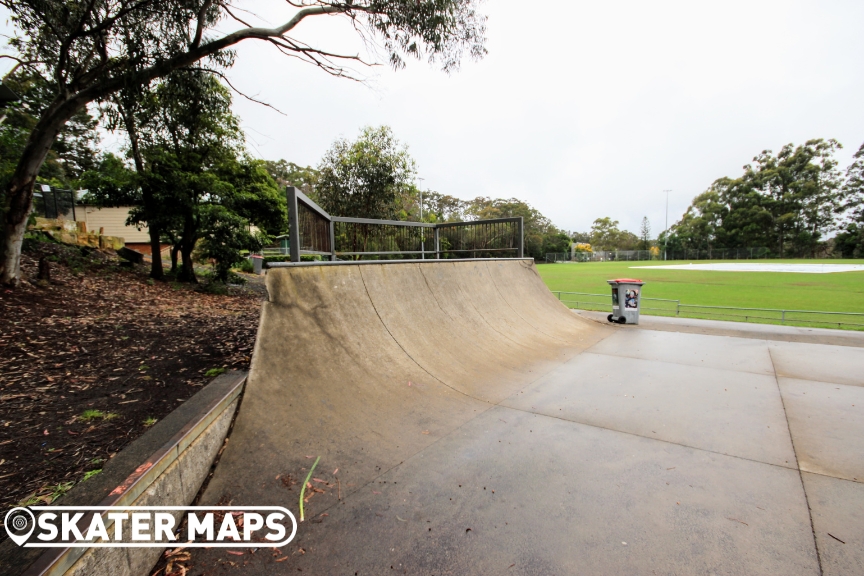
(834, 292)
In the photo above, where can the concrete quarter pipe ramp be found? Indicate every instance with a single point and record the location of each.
(462, 428)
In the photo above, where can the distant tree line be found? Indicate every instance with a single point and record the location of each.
(789, 203)
(374, 176)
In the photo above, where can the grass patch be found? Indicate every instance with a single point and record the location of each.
(47, 495)
(90, 474)
(90, 415)
(833, 292)
(150, 421)
(213, 372)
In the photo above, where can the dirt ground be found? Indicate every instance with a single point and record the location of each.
(92, 358)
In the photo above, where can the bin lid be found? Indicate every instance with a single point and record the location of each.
(625, 281)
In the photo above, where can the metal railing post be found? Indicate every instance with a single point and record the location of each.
(521, 251)
(293, 224)
(332, 241)
(437, 235)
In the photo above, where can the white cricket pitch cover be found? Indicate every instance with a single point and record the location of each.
(767, 267)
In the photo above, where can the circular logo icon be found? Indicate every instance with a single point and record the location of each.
(19, 524)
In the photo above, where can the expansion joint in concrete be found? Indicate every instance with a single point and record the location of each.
(797, 463)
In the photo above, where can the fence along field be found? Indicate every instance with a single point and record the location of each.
(816, 300)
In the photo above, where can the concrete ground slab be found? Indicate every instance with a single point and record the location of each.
(738, 329)
(517, 493)
(739, 414)
(839, 364)
(785, 267)
(827, 426)
(738, 354)
(838, 520)
(394, 374)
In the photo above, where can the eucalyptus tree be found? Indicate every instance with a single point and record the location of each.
(801, 187)
(201, 183)
(87, 50)
(849, 241)
(787, 202)
(366, 177)
(74, 149)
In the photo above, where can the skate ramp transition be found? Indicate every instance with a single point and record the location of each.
(368, 365)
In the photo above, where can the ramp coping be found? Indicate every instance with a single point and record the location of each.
(405, 261)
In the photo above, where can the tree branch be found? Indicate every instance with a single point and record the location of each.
(21, 64)
(193, 55)
(199, 28)
(227, 81)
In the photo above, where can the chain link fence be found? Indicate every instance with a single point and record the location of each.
(639, 255)
(665, 307)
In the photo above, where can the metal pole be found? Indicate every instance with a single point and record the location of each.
(332, 241)
(521, 239)
(437, 243)
(293, 224)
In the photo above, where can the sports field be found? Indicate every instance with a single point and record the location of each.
(835, 292)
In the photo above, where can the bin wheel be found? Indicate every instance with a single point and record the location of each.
(610, 318)
(622, 320)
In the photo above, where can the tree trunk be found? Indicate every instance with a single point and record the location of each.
(187, 245)
(19, 191)
(187, 271)
(175, 250)
(156, 271)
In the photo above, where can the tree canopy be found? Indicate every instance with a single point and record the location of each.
(605, 235)
(86, 51)
(73, 152)
(367, 177)
(786, 202)
(194, 181)
(849, 241)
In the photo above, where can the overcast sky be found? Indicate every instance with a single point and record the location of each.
(582, 109)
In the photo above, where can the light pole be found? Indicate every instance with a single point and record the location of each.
(666, 228)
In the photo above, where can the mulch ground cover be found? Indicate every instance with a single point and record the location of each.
(92, 358)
